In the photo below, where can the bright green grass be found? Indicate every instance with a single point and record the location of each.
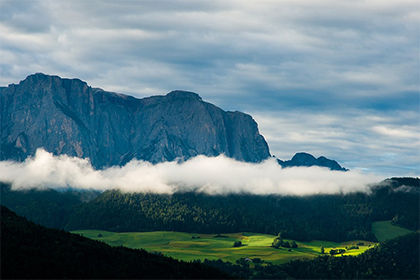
(182, 246)
(385, 230)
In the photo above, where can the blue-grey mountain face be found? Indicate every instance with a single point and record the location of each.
(305, 159)
(66, 116)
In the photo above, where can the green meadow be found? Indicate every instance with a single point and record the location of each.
(385, 230)
(192, 246)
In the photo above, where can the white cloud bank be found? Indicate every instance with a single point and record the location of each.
(215, 175)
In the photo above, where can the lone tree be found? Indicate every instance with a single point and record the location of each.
(322, 250)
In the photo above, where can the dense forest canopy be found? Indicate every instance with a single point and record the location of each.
(328, 217)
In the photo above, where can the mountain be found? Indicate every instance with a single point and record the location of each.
(66, 116)
(31, 251)
(305, 159)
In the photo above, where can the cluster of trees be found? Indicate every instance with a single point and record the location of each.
(337, 251)
(237, 244)
(327, 217)
(279, 242)
(31, 251)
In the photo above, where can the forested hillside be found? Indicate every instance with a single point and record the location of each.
(30, 251)
(47, 207)
(326, 217)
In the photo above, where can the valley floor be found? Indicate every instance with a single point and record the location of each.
(193, 246)
(188, 246)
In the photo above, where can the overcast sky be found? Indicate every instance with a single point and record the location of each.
(332, 78)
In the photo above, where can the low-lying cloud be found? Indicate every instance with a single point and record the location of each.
(212, 175)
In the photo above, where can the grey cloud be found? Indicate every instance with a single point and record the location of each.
(358, 139)
(297, 56)
(25, 16)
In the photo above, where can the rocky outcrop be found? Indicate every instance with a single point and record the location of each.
(305, 159)
(66, 116)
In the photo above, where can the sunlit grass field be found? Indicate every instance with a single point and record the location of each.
(385, 230)
(191, 246)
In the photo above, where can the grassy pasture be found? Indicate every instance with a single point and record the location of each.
(182, 246)
(385, 230)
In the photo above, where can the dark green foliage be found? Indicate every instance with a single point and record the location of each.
(325, 217)
(33, 251)
(285, 244)
(393, 259)
(47, 207)
(337, 251)
(277, 242)
(237, 244)
(352, 247)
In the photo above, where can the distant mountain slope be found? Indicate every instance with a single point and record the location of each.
(66, 116)
(30, 251)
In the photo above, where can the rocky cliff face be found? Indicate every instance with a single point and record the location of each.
(66, 116)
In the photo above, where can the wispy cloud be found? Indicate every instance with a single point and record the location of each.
(215, 175)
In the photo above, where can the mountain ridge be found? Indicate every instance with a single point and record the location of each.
(67, 116)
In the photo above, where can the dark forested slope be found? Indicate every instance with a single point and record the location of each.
(33, 251)
(47, 207)
(326, 217)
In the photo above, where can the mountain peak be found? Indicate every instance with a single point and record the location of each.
(306, 159)
(181, 94)
(66, 116)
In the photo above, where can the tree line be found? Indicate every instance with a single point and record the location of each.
(326, 217)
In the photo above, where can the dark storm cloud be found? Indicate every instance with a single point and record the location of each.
(277, 58)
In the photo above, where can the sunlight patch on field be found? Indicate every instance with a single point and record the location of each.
(193, 246)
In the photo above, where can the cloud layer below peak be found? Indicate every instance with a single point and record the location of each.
(212, 175)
